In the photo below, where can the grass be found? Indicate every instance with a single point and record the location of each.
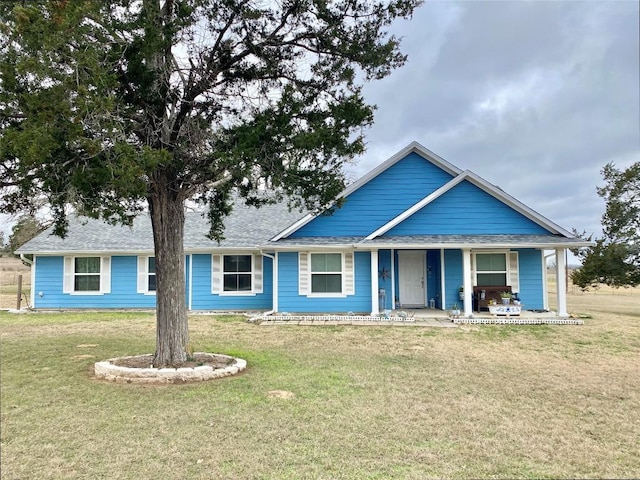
(370, 403)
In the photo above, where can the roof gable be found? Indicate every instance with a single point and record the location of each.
(380, 196)
(469, 205)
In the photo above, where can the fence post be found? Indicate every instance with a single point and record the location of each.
(19, 299)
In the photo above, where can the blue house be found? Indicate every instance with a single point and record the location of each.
(415, 232)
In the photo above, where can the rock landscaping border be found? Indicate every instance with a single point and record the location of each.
(107, 370)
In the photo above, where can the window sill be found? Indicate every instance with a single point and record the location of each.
(236, 294)
(326, 295)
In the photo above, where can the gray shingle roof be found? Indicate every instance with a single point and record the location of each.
(246, 227)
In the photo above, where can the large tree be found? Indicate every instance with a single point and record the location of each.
(113, 107)
(615, 258)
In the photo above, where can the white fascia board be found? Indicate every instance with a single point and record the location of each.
(85, 253)
(471, 246)
(222, 250)
(293, 227)
(314, 248)
(414, 208)
(413, 147)
(517, 205)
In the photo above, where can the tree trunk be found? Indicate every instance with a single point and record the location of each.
(172, 333)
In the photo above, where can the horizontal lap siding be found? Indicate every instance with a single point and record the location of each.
(531, 285)
(49, 280)
(466, 209)
(203, 299)
(290, 301)
(452, 277)
(380, 200)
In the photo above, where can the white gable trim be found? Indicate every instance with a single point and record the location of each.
(422, 203)
(413, 147)
(289, 230)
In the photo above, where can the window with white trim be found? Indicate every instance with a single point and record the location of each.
(87, 275)
(326, 273)
(147, 275)
(496, 269)
(151, 274)
(491, 269)
(236, 274)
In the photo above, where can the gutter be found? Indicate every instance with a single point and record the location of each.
(26, 260)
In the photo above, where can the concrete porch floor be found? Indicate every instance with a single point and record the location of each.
(424, 317)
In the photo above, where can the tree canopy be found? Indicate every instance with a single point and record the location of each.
(113, 107)
(615, 258)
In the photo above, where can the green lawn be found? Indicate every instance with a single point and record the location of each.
(369, 402)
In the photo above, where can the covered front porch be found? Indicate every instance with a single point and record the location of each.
(433, 280)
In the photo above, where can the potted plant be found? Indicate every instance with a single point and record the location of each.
(455, 311)
(461, 293)
(506, 297)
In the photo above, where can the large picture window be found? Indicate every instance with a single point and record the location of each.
(86, 274)
(236, 273)
(491, 269)
(326, 273)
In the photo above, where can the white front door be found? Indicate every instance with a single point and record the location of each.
(411, 268)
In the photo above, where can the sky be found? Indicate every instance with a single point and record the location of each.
(535, 97)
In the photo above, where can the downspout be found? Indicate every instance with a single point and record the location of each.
(274, 263)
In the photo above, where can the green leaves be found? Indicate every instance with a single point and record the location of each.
(615, 258)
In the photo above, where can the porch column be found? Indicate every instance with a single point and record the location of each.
(274, 262)
(374, 283)
(561, 270)
(466, 282)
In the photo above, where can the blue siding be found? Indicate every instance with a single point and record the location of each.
(203, 299)
(433, 277)
(452, 278)
(290, 301)
(531, 284)
(49, 281)
(380, 200)
(466, 209)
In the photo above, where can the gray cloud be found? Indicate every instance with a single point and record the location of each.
(535, 97)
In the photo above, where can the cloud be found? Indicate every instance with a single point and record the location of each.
(533, 96)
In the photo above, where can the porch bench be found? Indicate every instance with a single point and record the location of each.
(490, 293)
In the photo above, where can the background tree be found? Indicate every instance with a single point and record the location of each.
(115, 106)
(27, 227)
(615, 258)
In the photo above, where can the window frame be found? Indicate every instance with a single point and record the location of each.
(342, 274)
(217, 274)
(144, 274)
(70, 274)
(504, 253)
(224, 274)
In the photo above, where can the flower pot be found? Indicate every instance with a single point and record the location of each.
(506, 301)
